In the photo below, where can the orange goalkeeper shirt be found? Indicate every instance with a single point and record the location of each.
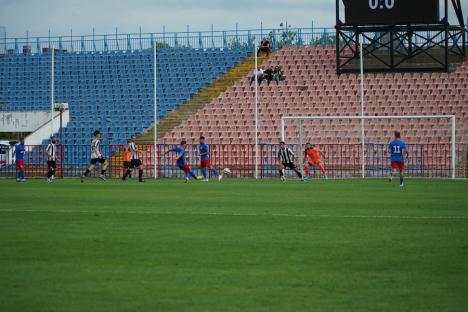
(313, 154)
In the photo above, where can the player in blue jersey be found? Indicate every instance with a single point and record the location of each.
(398, 152)
(205, 162)
(20, 150)
(182, 161)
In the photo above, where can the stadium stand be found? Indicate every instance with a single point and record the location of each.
(205, 96)
(111, 91)
(208, 91)
(313, 88)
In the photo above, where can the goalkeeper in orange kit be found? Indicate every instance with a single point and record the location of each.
(312, 158)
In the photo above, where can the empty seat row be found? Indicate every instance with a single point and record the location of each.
(312, 88)
(110, 91)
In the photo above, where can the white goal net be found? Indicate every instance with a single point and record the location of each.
(355, 146)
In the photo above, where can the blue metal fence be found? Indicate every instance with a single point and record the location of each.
(199, 40)
(341, 160)
(141, 41)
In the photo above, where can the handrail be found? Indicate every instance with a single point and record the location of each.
(190, 39)
(221, 39)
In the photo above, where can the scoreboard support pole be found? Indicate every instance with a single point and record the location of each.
(446, 39)
(454, 146)
(363, 153)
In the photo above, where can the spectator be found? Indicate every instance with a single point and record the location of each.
(264, 47)
(260, 74)
(278, 75)
(268, 75)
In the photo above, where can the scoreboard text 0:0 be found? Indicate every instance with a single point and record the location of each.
(391, 12)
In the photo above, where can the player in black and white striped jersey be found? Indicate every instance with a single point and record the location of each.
(286, 160)
(51, 152)
(96, 157)
(135, 163)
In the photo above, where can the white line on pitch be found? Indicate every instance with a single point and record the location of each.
(280, 215)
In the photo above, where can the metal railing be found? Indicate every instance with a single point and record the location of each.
(225, 39)
(341, 160)
(141, 41)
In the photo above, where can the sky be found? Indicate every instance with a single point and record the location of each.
(59, 16)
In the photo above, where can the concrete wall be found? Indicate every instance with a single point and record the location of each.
(43, 132)
(23, 121)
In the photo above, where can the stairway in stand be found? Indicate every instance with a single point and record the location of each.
(198, 101)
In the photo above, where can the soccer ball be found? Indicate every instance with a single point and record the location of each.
(227, 171)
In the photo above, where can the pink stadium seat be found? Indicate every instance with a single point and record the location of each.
(313, 88)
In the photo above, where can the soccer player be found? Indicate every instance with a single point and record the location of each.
(312, 158)
(51, 152)
(127, 159)
(205, 162)
(286, 160)
(96, 157)
(135, 161)
(181, 160)
(20, 150)
(398, 152)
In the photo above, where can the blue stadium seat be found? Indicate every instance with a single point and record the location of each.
(110, 91)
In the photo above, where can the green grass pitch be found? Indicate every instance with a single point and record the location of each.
(239, 245)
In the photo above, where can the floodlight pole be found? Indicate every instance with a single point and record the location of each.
(52, 93)
(454, 152)
(363, 153)
(256, 109)
(155, 138)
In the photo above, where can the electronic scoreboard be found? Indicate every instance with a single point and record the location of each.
(391, 12)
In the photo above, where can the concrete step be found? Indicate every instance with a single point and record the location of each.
(198, 101)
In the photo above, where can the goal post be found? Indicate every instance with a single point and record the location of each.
(431, 140)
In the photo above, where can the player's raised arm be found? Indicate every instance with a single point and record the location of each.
(173, 150)
(177, 152)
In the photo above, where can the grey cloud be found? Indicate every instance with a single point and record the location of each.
(82, 15)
